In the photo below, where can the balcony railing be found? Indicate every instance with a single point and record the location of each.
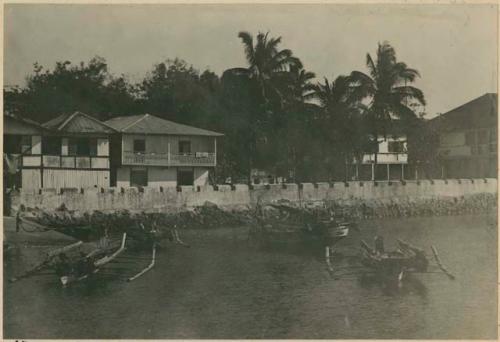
(386, 158)
(166, 159)
(68, 162)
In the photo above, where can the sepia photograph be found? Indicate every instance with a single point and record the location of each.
(250, 171)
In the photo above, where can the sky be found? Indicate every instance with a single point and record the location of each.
(454, 47)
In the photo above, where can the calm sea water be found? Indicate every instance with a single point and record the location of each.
(225, 287)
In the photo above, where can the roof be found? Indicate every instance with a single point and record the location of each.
(14, 124)
(78, 122)
(480, 112)
(150, 124)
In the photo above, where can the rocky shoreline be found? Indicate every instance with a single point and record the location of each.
(210, 215)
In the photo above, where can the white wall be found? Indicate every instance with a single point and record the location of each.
(162, 176)
(36, 144)
(159, 143)
(200, 176)
(123, 177)
(53, 178)
(157, 176)
(103, 147)
(383, 143)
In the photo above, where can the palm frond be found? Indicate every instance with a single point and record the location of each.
(409, 93)
(248, 44)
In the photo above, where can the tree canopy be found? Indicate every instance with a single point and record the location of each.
(273, 112)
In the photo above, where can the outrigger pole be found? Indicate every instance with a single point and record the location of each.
(150, 266)
(107, 259)
(440, 265)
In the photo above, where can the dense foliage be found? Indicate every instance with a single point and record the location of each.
(274, 115)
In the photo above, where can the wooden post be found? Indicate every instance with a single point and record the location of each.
(442, 172)
(388, 172)
(168, 153)
(402, 171)
(373, 171)
(215, 150)
(357, 171)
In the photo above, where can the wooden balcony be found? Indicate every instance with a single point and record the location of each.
(169, 159)
(386, 158)
(67, 162)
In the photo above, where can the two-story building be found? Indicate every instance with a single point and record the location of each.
(390, 160)
(150, 151)
(21, 137)
(70, 151)
(468, 139)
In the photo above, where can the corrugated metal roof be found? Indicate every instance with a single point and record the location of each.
(14, 124)
(478, 113)
(78, 122)
(150, 124)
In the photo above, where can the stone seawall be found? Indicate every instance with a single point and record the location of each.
(362, 198)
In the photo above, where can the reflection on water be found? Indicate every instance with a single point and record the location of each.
(227, 287)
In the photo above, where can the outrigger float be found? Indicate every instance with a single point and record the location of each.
(393, 265)
(71, 264)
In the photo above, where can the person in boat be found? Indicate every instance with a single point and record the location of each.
(379, 244)
(63, 267)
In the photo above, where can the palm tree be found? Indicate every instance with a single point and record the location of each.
(340, 117)
(388, 90)
(267, 66)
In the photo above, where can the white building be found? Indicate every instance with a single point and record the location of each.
(150, 151)
(391, 159)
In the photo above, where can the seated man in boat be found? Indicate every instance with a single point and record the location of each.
(63, 267)
(379, 244)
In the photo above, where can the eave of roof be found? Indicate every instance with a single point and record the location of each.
(152, 125)
(60, 122)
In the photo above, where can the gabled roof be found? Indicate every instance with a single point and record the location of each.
(480, 112)
(150, 124)
(78, 122)
(14, 124)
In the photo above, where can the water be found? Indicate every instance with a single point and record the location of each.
(224, 287)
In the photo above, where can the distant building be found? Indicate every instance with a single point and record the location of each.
(391, 157)
(21, 137)
(78, 151)
(70, 151)
(468, 139)
(150, 151)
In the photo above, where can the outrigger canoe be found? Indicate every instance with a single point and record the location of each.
(70, 271)
(406, 258)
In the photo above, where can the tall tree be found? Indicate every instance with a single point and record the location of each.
(340, 123)
(388, 89)
(264, 75)
(86, 87)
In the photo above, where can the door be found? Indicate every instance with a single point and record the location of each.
(185, 177)
(139, 177)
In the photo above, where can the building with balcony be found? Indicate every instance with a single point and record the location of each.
(150, 151)
(468, 139)
(22, 137)
(389, 163)
(70, 151)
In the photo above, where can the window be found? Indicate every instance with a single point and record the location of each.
(139, 146)
(51, 146)
(26, 144)
(82, 147)
(482, 137)
(470, 138)
(93, 147)
(396, 147)
(139, 177)
(185, 177)
(184, 146)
